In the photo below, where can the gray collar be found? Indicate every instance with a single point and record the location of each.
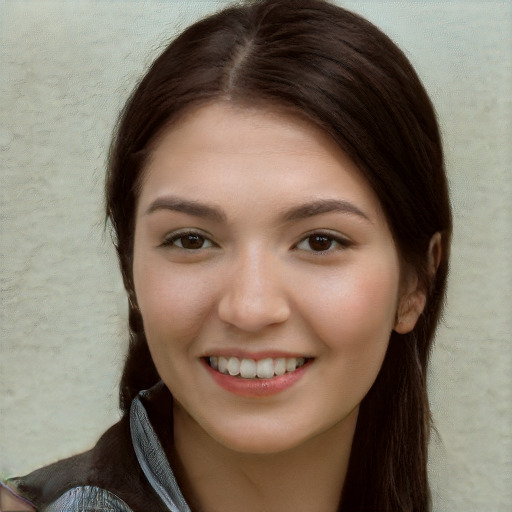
(152, 459)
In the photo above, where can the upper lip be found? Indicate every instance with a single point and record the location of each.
(256, 355)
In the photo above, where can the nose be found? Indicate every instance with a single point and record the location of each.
(254, 295)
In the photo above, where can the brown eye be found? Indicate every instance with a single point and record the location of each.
(323, 242)
(192, 241)
(189, 241)
(320, 242)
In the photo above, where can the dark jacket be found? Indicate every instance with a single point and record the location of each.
(112, 465)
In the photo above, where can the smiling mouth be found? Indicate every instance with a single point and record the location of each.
(251, 369)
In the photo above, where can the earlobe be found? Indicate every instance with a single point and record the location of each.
(413, 299)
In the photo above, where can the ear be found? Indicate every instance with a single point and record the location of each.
(414, 295)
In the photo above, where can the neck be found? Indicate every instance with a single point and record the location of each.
(215, 478)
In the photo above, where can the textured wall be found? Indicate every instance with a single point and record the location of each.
(66, 67)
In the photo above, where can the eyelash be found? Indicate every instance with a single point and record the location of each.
(342, 242)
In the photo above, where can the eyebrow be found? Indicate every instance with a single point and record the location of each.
(214, 213)
(321, 206)
(190, 207)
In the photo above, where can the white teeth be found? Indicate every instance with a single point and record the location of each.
(280, 366)
(291, 364)
(250, 369)
(234, 366)
(265, 368)
(223, 365)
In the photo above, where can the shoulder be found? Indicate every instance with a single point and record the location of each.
(109, 474)
(93, 468)
(87, 499)
(79, 499)
(107, 478)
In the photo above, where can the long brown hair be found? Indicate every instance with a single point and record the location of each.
(343, 74)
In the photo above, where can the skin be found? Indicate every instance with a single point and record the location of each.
(255, 283)
(9, 502)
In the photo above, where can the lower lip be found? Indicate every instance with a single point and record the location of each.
(257, 387)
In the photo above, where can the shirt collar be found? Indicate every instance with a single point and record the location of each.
(151, 455)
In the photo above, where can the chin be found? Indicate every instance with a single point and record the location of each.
(261, 443)
(268, 436)
(258, 435)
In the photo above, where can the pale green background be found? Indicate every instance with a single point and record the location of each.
(66, 68)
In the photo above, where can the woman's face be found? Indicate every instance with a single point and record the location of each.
(261, 250)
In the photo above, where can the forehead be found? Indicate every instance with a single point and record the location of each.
(240, 127)
(228, 152)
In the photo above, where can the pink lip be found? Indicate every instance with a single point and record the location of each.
(257, 387)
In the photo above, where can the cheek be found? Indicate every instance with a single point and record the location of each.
(172, 304)
(354, 311)
(352, 318)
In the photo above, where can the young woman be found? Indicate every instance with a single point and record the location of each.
(277, 194)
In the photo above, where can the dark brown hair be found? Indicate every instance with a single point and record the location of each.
(343, 74)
